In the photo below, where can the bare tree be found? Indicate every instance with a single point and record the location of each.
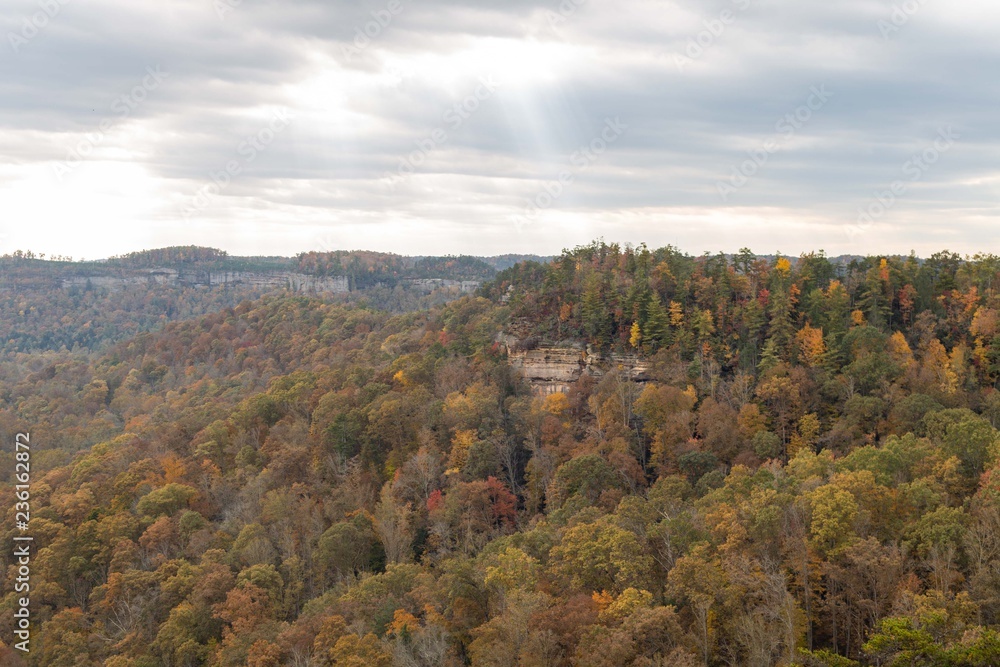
(394, 525)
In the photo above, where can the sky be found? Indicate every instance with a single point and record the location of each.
(441, 127)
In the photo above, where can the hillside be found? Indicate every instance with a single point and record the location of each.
(756, 462)
(56, 303)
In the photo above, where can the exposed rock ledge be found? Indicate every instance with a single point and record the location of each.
(554, 369)
(295, 282)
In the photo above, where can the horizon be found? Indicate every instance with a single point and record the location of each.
(47, 257)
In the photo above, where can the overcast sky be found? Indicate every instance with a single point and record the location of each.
(441, 127)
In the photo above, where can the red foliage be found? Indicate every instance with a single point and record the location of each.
(504, 502)
(435, 501)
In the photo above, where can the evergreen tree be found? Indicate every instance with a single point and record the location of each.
(656, 331)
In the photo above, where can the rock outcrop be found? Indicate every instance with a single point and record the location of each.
(554, 369)
(294, 282)
(429, 285)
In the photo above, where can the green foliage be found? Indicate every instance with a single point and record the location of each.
(350, 547)
(165, 500)
(766, 445)
(697, 464)
(586, 476)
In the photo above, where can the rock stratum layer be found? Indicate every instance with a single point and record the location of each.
(274, 280)
(555, 369)
(295, 282)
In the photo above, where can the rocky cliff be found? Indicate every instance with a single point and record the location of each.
(295, 282)
(554, 369)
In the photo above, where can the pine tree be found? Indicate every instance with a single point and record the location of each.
(596, 319)
(768, 357)
(656, 331)
(782, 328)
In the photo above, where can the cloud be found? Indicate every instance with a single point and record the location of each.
(376, 86)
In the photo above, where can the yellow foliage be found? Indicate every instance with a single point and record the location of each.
(676, 314)
(751, 421)
(565, 312)
(900, 350)
(948, 472)
(635, 335)
(468, 408)
(937, 365)
(433, 616)
(556, 404)
(783, 266)
(806, 435)
(627, 603)
(857, 318)
(333, 628)
(810, 340)
(174, 469)
(603, 600)
(513, 569)
(461, 443)
(403, 621)
(833, 513)
(354, 651)
(958, 367)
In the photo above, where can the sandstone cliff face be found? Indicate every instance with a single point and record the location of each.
(295, 282)
(429, 285)
(555, 369)
(550, 370)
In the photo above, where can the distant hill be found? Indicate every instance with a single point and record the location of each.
(51, 303)
(503, 262)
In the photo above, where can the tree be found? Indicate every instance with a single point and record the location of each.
(394, 526)
(696, 580)
(354, 651)
(719, 429)
(600, 556)
(812, 348)
(586, 476)
(668, 419)
(899, 644)
(349, 547)
(656, 330)
(781, 394)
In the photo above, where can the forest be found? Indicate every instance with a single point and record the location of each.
(39, 313)
(806, 478)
